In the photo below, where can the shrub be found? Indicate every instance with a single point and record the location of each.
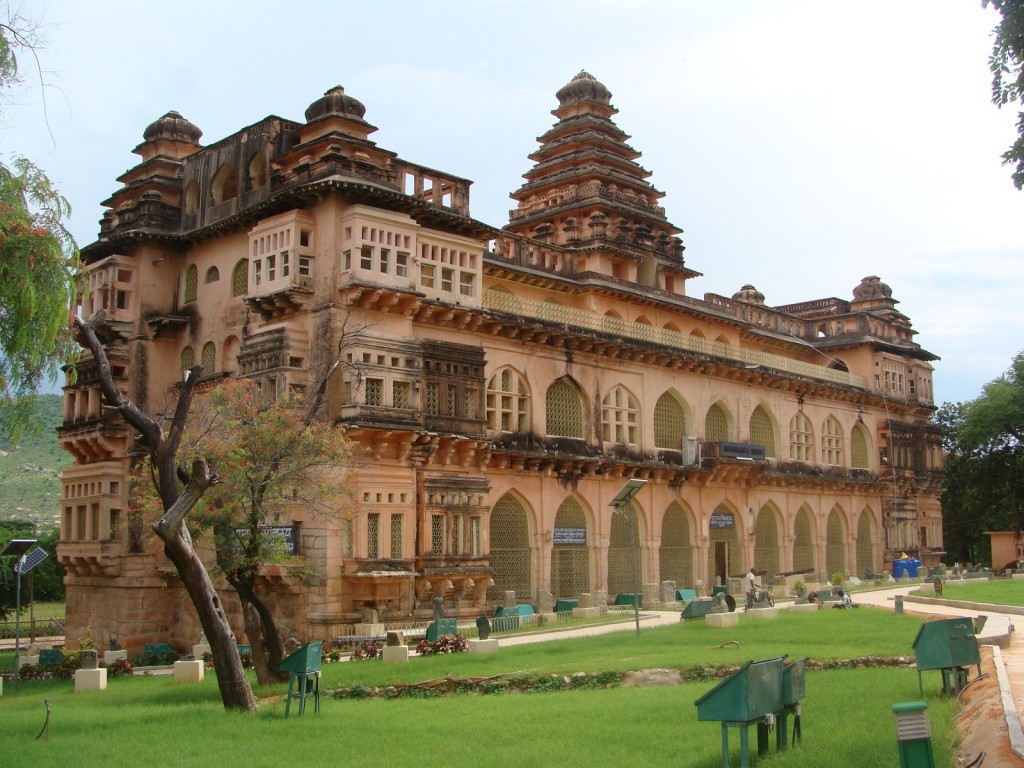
(371, 649)
(445, 644)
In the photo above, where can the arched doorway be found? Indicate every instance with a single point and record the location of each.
(865, 543)
(511, 556)
(675, 555)
(766, 542)
(835, 544)
(570, 551)
(622, 576)
(803, 541)
(724, 553)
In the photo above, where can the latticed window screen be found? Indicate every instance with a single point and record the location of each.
(240, 278)
(437, 534)
(209, 362)
(401, 396)
(762, 432)
(669, 423)
(803, 542)
(510, 553)
(347, 537)
(859, 448)
(374, 391)
(456, 548)
(620, 415)
(800, 438)
(865, 544)
(831, 443)
(212, 275)
(373, 535)
(564, 411)
(730, 544)
(470, 403)
(452, 400)
(475, 536)
(716, 424)
(766, 543)
(835, 544)
(570, 563)
(188, 358)
(396, 536)
(620, 552)
(191, 282)
(675, 554)
(507, 402)
(432, 404)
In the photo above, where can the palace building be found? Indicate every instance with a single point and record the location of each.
(500, 384)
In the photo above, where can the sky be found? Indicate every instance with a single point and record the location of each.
(801, 145)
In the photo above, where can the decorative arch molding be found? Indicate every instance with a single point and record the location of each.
(566, 410)
(804, 533)
(570, 560)
(718, 423)
(835, 541)
(512, 522)
(678, 547)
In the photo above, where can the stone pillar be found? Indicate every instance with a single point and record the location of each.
(668, 591)
(650, 594)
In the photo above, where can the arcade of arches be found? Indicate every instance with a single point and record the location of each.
(583, 550)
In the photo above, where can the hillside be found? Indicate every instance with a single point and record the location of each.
(30, 486)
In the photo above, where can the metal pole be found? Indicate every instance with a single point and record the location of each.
(636, 570)
(17, 621)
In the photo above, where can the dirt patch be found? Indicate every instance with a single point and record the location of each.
(981, 723)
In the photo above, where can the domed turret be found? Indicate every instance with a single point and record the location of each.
(583, 87)
(871, 288)
(335, 102)
(749, 294)
(172, 127)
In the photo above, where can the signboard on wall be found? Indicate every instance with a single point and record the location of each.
(570, 536)
(722, 520)
(284, 537)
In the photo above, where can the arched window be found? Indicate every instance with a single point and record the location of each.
(621, 551)
(762, 431)
(240, 278)
(832, 443)
(212, 275)
(209, 361)
(803, 541)
(835, 543)
(620, 418)
(511, 556)
(257, 171)
(191, 283)
(508, 401)
(859, 452)
(801, 438)
(865, 543)
(565, 412)
(669, 422)
(716, 424)
(225, 184)
(188, 358)
(766, 542)
(192, 197)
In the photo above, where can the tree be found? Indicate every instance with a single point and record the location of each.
(270, 460)
(38, 260)
(984, 464)
(1008, 75)
(162, 449)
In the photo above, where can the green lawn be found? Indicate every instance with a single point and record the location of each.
(151, 720)
(996, 591)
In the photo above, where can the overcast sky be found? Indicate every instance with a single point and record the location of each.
(802, 145)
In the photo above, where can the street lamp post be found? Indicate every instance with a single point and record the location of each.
(18, 548)
(621, 505)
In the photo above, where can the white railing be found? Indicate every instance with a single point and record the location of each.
(577, 318)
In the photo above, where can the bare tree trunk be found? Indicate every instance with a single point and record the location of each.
(262, 631)
(235, 691)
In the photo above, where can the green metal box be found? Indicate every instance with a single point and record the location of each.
(305, 661)
(946, 643)
(697, 608)
(794, 685)
(751, 692)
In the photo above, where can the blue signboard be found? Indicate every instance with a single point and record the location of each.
(287, 535)
(570, 535)
(723, 520)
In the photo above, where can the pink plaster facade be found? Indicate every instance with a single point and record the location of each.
(501, 384)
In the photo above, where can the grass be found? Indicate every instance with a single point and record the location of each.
(996, 591)
(847, 713)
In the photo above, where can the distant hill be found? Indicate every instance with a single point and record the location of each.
(30, 486)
